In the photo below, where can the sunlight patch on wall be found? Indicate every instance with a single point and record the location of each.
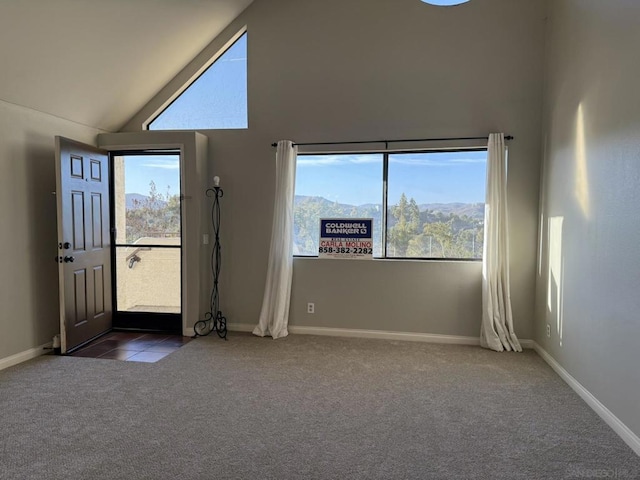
(555, 281)
(581, 174)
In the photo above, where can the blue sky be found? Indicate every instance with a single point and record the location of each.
(442, 177)
(140, 170)
(439, 177)
(217, 99)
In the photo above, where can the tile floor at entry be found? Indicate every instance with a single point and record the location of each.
(133, 347)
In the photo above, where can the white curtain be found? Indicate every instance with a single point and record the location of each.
(274, 316)
(497, 320)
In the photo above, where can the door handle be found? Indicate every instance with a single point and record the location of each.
(68, 259)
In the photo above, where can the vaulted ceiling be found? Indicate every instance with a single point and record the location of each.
(97, 62)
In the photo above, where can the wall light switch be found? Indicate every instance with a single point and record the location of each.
(205, 239)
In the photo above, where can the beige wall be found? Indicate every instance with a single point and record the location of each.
(29, 312)
(356, 70)
(590, 267)
(152, 283)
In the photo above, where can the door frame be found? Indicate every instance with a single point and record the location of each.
(151, 321)
(192, 147)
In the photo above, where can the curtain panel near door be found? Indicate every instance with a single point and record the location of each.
(274, 316)
(497, 320)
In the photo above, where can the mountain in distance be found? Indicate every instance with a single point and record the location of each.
(133, 201)
(321, 200)
(472, 210)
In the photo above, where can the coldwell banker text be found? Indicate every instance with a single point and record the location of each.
(360, 228)
(346, 229)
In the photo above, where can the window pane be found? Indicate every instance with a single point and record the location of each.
(147, 199)
(336, 186)
(148, 279)
(436, 204)
(216, 99)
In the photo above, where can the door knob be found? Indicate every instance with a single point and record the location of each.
(66, 245)
(68, 259)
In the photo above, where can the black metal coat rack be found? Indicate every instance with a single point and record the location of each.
(214, 320)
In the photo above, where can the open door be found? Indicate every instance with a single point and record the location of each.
(84, 242)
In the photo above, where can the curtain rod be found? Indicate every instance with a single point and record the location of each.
(506, 137)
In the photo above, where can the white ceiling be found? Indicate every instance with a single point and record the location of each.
(97, 62)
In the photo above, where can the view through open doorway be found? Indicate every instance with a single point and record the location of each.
(148, 241)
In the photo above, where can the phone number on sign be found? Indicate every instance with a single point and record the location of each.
(346, 250)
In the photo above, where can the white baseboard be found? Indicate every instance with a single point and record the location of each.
(24, 356)
(527, 343)
(241, 327)
(610, 419)
(188, 332)
(375, 334)
(385, 335)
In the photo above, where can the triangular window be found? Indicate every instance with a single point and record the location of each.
(217, 99)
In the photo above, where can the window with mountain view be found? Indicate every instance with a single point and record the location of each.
(336, 186)
(217, 99)
(434, 201)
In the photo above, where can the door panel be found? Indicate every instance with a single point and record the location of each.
(80, 297)
(82, 176)
(97, 222)
(77, 217)
(98, 289)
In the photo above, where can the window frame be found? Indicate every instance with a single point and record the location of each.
(385, 200)
(194, 78)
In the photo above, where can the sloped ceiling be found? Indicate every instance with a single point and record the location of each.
(97, 62)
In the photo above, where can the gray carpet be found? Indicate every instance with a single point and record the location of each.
(303, 407)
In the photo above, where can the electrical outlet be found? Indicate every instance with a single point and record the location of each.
(311, 308)
(548, 331)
